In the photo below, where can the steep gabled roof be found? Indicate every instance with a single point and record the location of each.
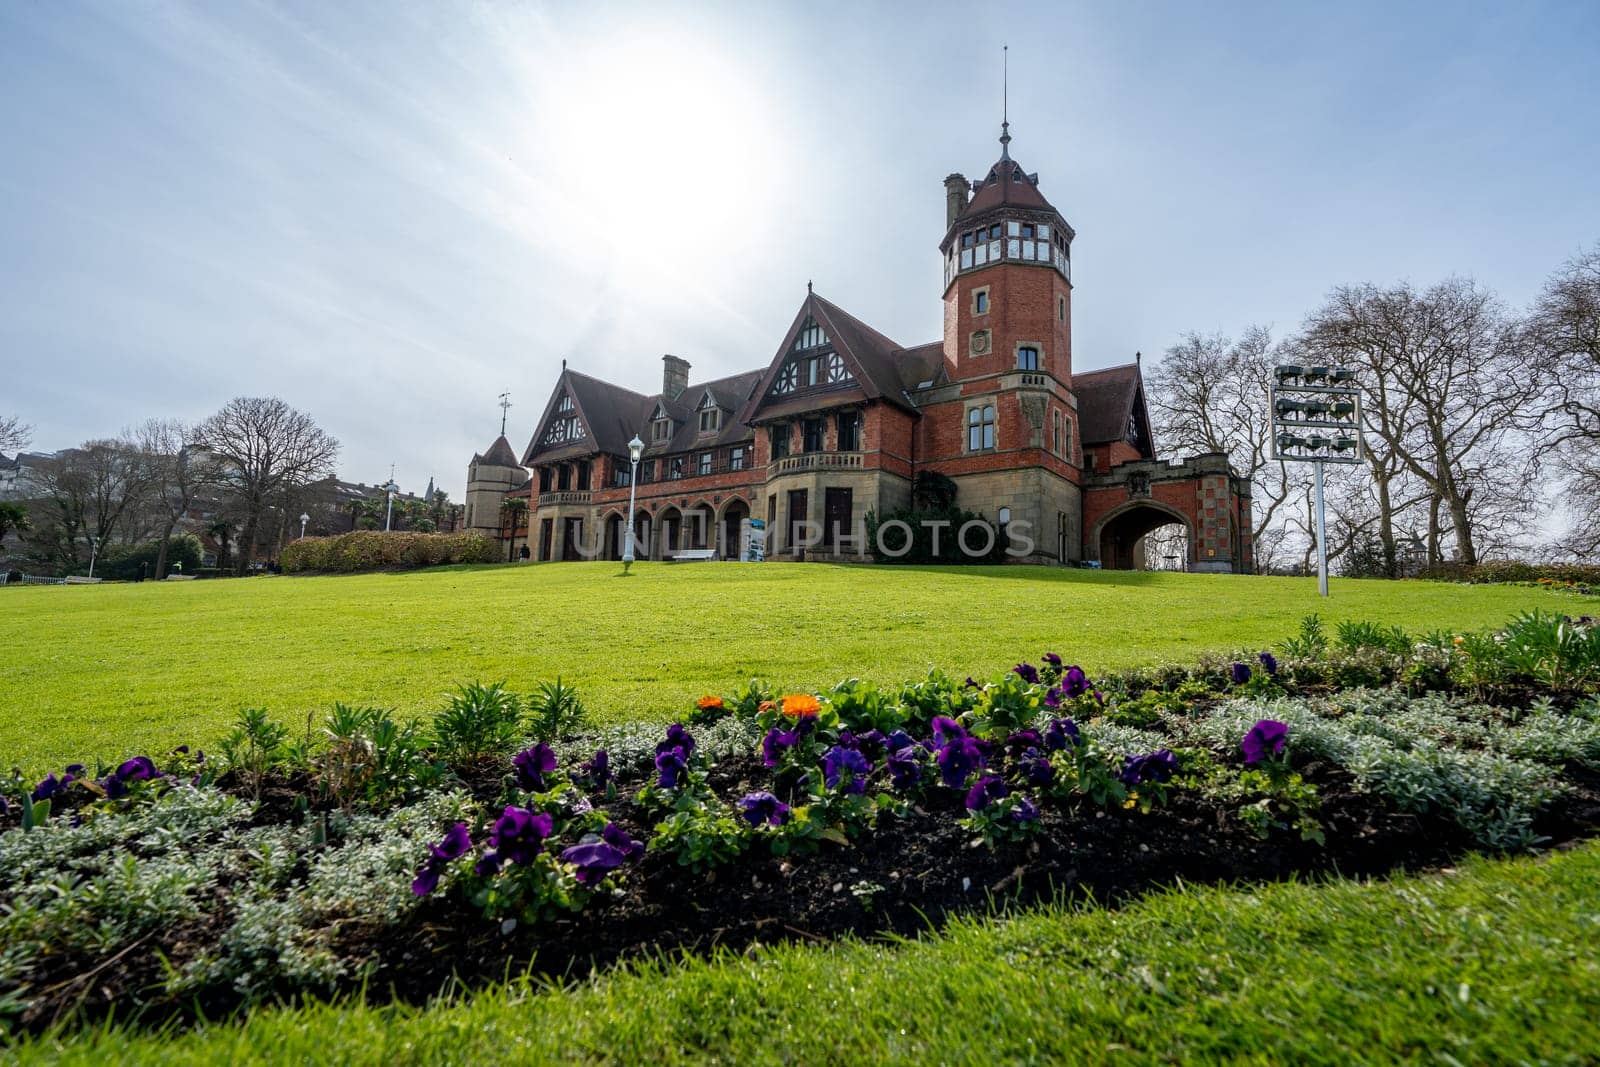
(869, 356)
(1107, 400)
(609, 413)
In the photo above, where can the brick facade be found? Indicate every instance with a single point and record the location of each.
(842, 420)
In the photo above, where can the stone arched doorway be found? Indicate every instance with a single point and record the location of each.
(729, 527)
(611, 542)
(643, 530)
(669, 532)
(1121, 536)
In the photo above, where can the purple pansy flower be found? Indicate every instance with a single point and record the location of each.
(138, 769)
(946, 729)
(51, 786)
(672, 766)
(457, 842)
(1052, 659)
(1265, 735)
(898, 741)
(77, 770)
(1157, 766)
(958, 760)
(1027, 672)
(905, 767)
(1269, 663)
(596, 859)
(1023, 740)
(871, 744)
(677, 737)
(1241, 673)
(517, 837)
(1026, 811)
(1060, 734)
(1074, 683)
(986, 791)
(840, 762)
(1036, 767)
(763, 807)
(596, 773)
(617, 837)
(775, 742)
(971, 683)
(532, 765)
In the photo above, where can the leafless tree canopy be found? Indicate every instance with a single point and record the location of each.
(267, 448)
(1209, 394)
(90, 494)
(1566, 323)
(14, 434)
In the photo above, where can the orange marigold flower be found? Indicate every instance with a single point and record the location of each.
(800, 705)
(707, 702)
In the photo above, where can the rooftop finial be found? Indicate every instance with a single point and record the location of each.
(1005, 102)
(808, 286)
(505, 406)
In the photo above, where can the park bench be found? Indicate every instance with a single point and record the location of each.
(693, 555)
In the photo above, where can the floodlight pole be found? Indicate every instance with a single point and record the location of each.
(1322, 535)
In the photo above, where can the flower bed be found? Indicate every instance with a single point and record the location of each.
(398, 855)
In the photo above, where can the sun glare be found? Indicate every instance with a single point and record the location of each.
(663, 145)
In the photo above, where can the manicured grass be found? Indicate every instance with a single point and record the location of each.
(101, 672)
(1494, 962)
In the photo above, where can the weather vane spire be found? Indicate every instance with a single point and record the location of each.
(505, 406)
(1005, 102)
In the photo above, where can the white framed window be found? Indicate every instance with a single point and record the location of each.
(980, 427)
(736, 458)
(1013, 229)
(705, 463)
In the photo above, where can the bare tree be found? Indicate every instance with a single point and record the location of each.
(179, 472)
(1448, 391)
(1566, 327)
(1209, 394)
(266, 447)
(87, 493)
(14, 434)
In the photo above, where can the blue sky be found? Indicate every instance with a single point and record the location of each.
(387, 214)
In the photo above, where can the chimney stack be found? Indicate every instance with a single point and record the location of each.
(674, 376)
(955, 198)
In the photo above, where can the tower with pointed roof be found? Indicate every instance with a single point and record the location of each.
(493, 475)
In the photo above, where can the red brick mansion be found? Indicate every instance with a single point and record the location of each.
(842, 420)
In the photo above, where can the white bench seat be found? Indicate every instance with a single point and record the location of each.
(693, 555)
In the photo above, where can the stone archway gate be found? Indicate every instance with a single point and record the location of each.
(1202, 492)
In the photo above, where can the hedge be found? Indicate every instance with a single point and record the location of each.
(370, 550)
(1517, 571)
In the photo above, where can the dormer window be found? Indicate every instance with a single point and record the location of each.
(710, 415)
(660, 425)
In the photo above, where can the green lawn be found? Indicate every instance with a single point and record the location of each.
(104, 671)
(1493, 963)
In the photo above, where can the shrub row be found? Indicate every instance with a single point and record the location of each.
(1585, 574)
(369, 550)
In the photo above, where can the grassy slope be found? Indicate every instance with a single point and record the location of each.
(91, 672)
(1491, 963)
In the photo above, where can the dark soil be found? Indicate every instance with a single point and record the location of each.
(925, 867)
